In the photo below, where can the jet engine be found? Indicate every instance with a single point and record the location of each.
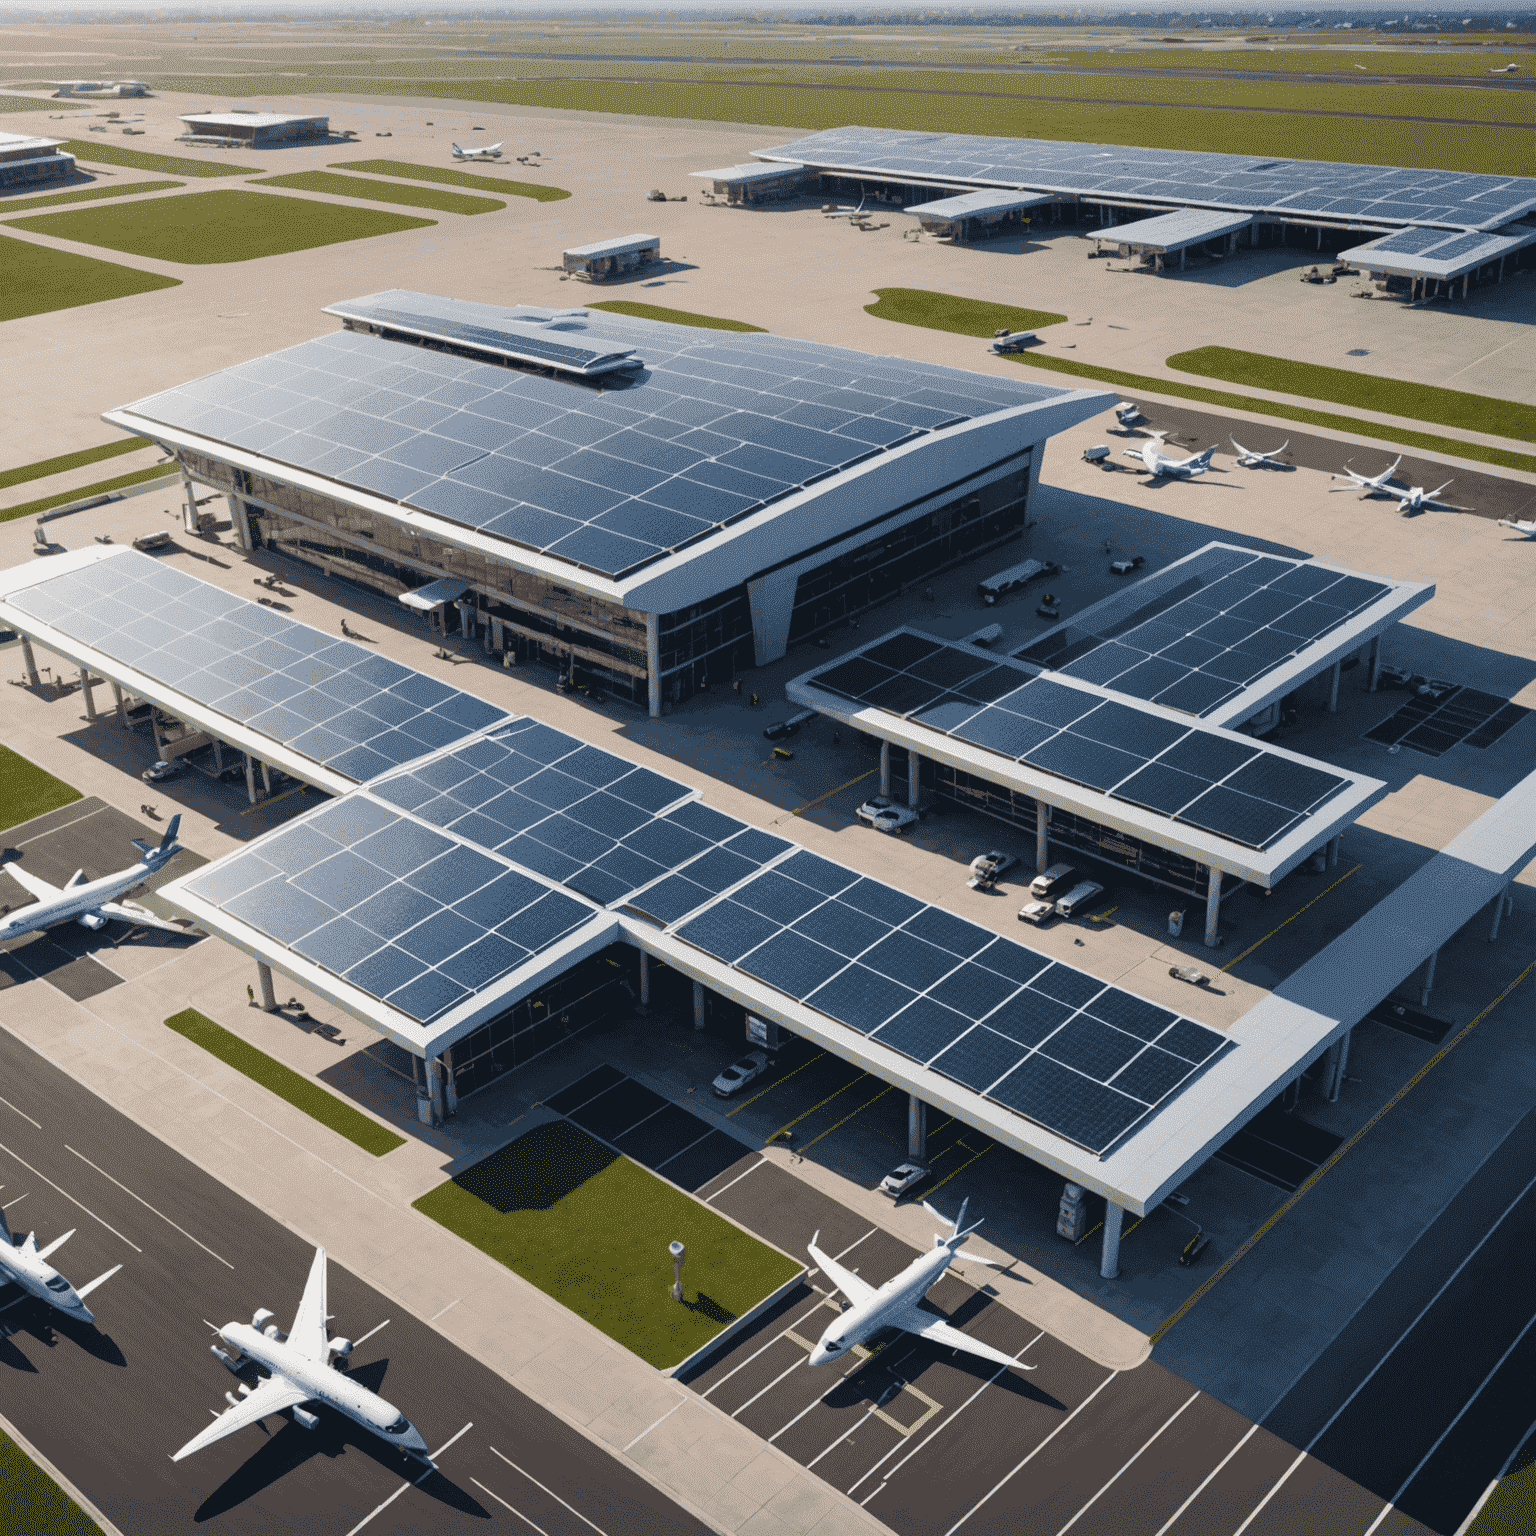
(340, 1351)
(91, 920)
(261, 1317)
(308, 1420)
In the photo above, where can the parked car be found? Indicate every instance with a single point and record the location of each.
(1052, 882)
(1037, 912)
(986, 867)
(159, 771)
(880, 814)
(1081, 894)
(1098, 454)
(1125, 567)
(740, 1073)
(1049, 608)
(782, 730)
(1190, 974)
(903, 1179)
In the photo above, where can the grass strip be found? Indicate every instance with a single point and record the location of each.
(451, 178)
(37, 1502)
(32, 104)
(1392, 397)
(88, 195)
(964, 317)
(375, 192)
(67, 461)
(140, 160)
(230, 225)
(35, 280)
(590, 1228)
(287, 1084)
(1136, 383)
(672, 316)
(84, 492)
(27, 791)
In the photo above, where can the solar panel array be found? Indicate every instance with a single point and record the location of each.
(713, 428)
(1231, 617)
(402, 912)
(1041, 1039)
(1336, 190)
(334, 702)
(1217, 782)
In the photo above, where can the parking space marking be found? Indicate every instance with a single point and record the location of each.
(88, 1211)
(551, 1492)
(846, 1118)
(412, 1484)
(520, 1515)
(777, 1082)
(734, 1182)
(1291, 919)
(961, 1169)
(836, 1093)
(709, 1131)
(24, 1115)
(1127, 1467)
(820, 1301)
(872, 1410)
(1280, 1483)
(643, 1118)
(652, 1425)
(1206, 1482)
(148, 1207)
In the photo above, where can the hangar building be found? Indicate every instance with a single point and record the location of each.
(25, 159)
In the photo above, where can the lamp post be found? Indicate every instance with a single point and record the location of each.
(679, 1253)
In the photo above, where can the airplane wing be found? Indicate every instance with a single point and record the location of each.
(845, 1280)
(273, 1394)
(926, 1326)
(34, 883)
(132, 912)
(308, 1332)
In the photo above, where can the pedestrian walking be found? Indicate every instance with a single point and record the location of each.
(250, 995)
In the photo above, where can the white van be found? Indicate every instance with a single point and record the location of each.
(1078, 897)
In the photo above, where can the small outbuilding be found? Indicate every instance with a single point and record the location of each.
(608, 258)
(25, 159)
(978, 215)
(247, 127)
(755, 183)
(98, 88)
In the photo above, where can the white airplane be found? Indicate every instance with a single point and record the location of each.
(1252, 460)
(1505, 69)
(299, 1370)
(26, 1266)
(1526, 530)
(1418, 498)
(895, 1304)
(1372, 485)
(489, 152)
(91, 902)
(1150, 453)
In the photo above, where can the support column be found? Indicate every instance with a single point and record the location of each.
(1502, 902)
(1182, 253)
(218, 755)
(266, 779)
(250, 779)
(1375, 664)
(1333, 689)
(435, 1085)
(1042, 836)
(264, 979)
(698, 1005)
(1109, 1263)
(914, 777)
(450, 1088)
(917, 1129)
(1429, 981)
(653, 663)
(885, 769)
(122, 708)
(1213, 910)
(87, 682)
(238, 522)
(1338, 1056)
(189, 512)
(154, 726)
(30, 662)
(1333, 851)
(644, 1005)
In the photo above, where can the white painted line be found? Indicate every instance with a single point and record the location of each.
(1284, 1478)
(88, 1211)
(869, 1413)
(816, 1306)
(24, 1115)
(451, 1305)
(641, 1121)
(370, 1333)
(403, 1486)
(771, 1385)
(691, 1145)
(9, 1203)
(1172, 1520)
(520, 1515)
(1509, 1461)
(1126, 1468)
(148, 1207)
(649, 1427)
(551, 1492)
(734, 1182)
(1002, 1482)
(814, 1403)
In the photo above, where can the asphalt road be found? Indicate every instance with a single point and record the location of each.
(110, 1405)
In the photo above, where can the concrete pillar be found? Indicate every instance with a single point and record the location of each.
(917, 1128)
(466, 618)
(239, 523)
(1333, 851)
(266, 779)
(653, 662)
(1042, 836)
(189, 511)
(1213, 910)
(268, 996)
(1333, 689)
(488, 641)
(885, 769)
(914, 777)
(435, 1088)
(250, 779)
(1375, 664)
(1338, 1058)
(154, 726)
(87, 682)
(218, 755)
(698, 1005)
(1109, 1263)
(1182, 254)
(1501, 902)
(645, 983)
(122, 708)
(30, 662)
(450, 1088)
(1429, 980)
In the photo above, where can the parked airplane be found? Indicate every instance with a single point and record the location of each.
(1151, 454)
(1418, 498)
(1527, 530)
(299, 1370)
(91, 902)
(489, 152)
(1372, 485)
(895, 1304)
(1505, 69)
(1252, 460)
(26, 1265)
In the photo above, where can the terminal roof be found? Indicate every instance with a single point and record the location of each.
(744, 175)
(620, 245)
(1175, 231)
(239, 118)
(967, 205)
(1438, 253)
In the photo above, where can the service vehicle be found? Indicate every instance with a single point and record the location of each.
(987, 867)
(1099, 454)
(782, 730)
(159, 771)
(1190, 974)
(1078, 897)
(1125, 567)
(883, 816)
(740, 1073)
(1037, 912)
(1053, 881)
(1014, 577)
(903, 1179)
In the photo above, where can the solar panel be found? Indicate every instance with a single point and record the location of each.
(1042, 1039)
(333, 701)
(1412, 241)
(1228, 785)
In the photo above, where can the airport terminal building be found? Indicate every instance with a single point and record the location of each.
(651, 507)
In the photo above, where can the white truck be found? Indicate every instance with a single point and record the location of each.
(1013, 578)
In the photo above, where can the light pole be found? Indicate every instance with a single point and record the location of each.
(679, 1253)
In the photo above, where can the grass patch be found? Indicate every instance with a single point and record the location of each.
(672, 316)
(1393, 397)
(287, 1084)
(965, 317)
(590, 1228)
(67, 461)
(1511, 1507)
(81, 493)
(451, 178)
(87, 195)
(27, 791)
(35, 280)
(355, 186)
(48, 1510)
(141, 160)
(205, 228)
(32, 104)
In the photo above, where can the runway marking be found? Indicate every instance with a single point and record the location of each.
(814, 1107)
(370, 1333)
(846, 1118)
(551, 1492)
(520, 1515)
(148, 1207)
(649, 1427)
(1210, 1476)
(763, 1094)
(9, 1203)
(24, 1115)
(872, 1410)
(819, 1303)
(1002, 1482)
(88, 1211)
(1126, 1468)
(413, 1484)
(734, 1182)
(1280, 1483)
(1291, 919)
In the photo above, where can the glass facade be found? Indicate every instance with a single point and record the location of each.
(709, 642)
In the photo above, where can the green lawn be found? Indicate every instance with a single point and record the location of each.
(965, 317)
(451, 178)
(87, 195)
(32, 104)
(377, 192)
(590, 1228)
(26, 791)
(209, 227)
(37, 1504)
(287, 1084)
(56, 466)
(1511, 1508)
(1370, 392)
(140, 160)
(35, 280)
(672, 316)
(80, 493)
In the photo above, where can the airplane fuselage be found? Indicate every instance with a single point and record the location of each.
(865, 1319)
(35, 1275)
(76, 902)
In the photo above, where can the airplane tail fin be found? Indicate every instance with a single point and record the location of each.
(141, 845)
(457, 150)
(169, 840)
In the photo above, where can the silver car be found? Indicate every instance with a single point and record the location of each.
(740, 1073)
